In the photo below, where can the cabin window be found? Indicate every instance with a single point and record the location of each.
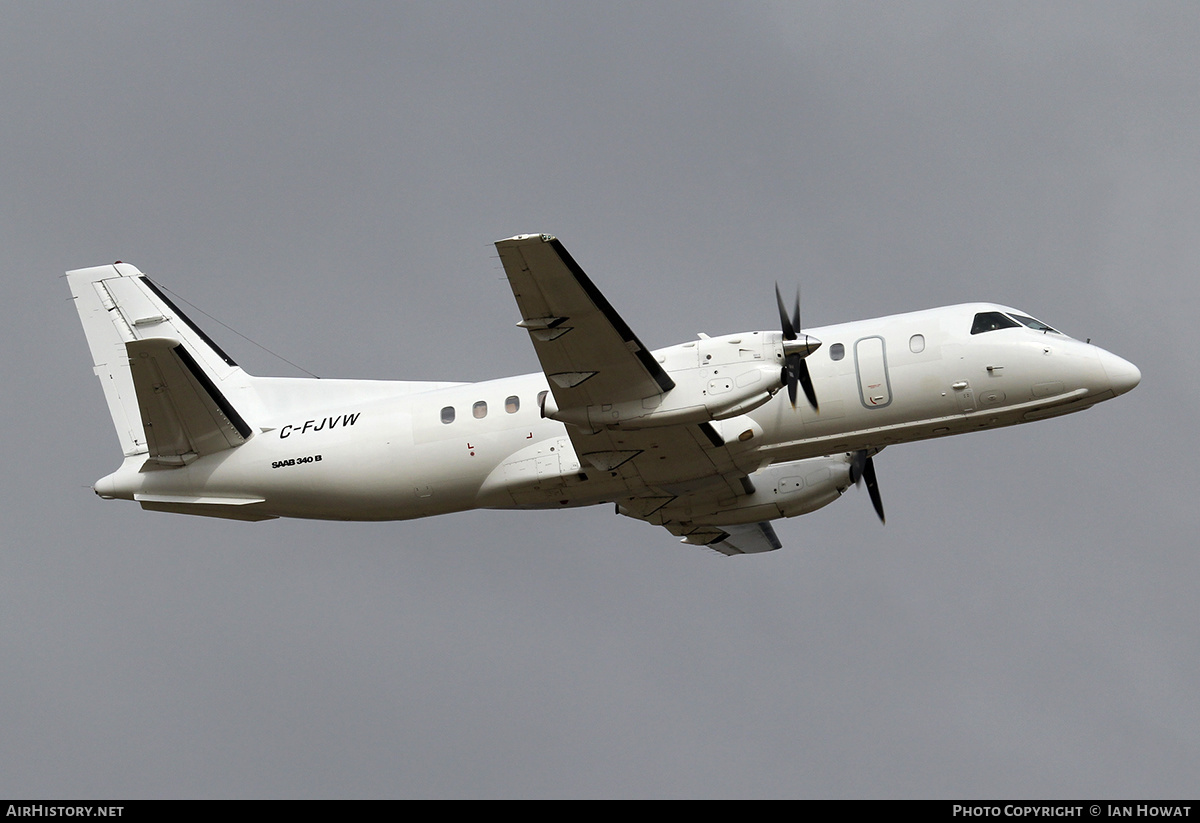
(512, 404)
(837, 351)
(448, 414)
(542, 399)
(916, 343)
(987, 321)
(479, 410)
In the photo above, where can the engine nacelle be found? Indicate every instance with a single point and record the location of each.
(782, 490)
(715, 378)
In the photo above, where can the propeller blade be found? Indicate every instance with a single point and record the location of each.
(873, 489)
(795, 370)
(796, 314)
(857, 461)
(806, 384)
(862, 468)
(789, 379)
(789, 329)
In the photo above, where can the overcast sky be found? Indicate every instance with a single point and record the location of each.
(328, 179)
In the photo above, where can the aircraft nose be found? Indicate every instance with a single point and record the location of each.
(1122, 374)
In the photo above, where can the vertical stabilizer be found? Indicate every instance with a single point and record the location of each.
(194, 385)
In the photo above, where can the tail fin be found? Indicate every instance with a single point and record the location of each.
(173, 403)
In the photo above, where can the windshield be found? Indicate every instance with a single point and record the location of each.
(1037, 325)
(986, 321)
(992, 320)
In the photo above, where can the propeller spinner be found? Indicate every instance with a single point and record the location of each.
(796, 347)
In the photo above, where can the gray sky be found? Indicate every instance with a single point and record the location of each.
(328, 179)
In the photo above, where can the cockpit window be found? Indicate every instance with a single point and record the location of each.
(992, 320)
(1036, 325)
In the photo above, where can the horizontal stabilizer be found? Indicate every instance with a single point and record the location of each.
(229, 508)
(183, 413)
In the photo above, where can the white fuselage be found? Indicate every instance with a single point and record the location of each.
(377, 450)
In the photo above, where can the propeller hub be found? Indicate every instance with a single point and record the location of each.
(802, 346)
(796, 347)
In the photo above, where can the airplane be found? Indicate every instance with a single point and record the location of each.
(706, 438)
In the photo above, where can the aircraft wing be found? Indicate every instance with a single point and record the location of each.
(591, 357)
(753, 538)
(589, 354)
(750, 538)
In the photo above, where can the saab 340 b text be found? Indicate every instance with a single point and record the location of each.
(705, 438)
